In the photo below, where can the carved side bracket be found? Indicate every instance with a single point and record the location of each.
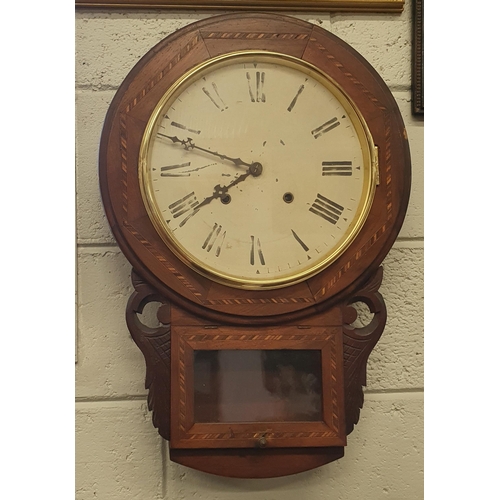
(359, 343)
(155, 346)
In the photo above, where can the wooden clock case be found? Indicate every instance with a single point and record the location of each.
(196, 313)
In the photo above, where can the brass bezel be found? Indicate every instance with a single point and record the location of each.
(367, 145)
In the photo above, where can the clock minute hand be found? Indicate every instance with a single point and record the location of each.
(237, 161)
(189, 144)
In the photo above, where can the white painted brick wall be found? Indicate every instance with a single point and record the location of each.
(120, 455)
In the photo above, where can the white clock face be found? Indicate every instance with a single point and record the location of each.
(256, 170)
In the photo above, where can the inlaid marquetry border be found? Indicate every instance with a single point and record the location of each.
(183, 51)
(160, 257)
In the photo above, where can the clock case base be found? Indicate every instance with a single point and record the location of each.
(252, 463)
(283, 452)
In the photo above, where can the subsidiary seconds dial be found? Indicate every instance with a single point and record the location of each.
(257, 170)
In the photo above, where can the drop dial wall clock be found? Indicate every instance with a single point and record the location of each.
(255, 172)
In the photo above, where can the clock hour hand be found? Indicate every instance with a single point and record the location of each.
(220, 192)
(189, 144)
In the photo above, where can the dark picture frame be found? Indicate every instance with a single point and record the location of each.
(418, 58)
(395, 6)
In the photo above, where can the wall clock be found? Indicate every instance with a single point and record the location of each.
(255, 171)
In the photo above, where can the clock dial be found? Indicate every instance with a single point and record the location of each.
(257, 170)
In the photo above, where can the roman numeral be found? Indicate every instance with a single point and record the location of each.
(257, 92)
(166, 171)
(323, 129)
(215, 97)
(183, 127)
(186, 205)
(341, 168)
(212, 238)
(294, 100)
(301, 243)
(256, 246)
(171, 170)
(327, 209)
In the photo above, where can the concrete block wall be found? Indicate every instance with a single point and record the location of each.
(119, 454)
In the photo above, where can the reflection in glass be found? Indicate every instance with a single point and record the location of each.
(257, 385)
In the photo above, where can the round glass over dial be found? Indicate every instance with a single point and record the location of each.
(257, 170)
